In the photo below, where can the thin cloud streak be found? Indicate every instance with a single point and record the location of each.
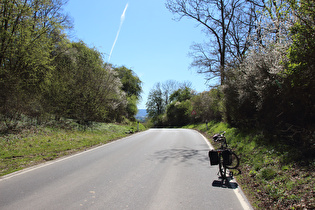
(122, 19)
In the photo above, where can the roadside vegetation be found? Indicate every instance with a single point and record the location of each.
(273, 174)
(37, 144)
(44, 75)
(259, 59)
(59, 97)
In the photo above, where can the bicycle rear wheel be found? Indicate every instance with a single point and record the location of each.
(222, 167)
(235, 161)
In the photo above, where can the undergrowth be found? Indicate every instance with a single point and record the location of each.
(273, 175)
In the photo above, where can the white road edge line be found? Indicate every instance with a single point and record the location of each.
(41, 165)
(238, 192)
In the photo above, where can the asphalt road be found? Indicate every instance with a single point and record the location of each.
(155, 169)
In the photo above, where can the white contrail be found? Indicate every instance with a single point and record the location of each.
(122, 18)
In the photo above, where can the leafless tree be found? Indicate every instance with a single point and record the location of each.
(228, 23)
(168, 88)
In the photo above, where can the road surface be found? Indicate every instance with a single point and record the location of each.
(155, 169)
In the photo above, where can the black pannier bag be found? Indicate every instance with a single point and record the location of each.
(227, 157)
(214, 157)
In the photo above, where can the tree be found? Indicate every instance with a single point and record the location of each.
(168, 88)
(156, 102)
(131, 85)
(83, 88)
(301, 64)
(272, 22)
(182, 94)
(29, 32)
(162, 95)
(271, 88)
(253, 91)
(229, 23)
(178, 112)
(209, 105)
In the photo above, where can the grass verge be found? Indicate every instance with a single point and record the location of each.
(29, 147)
(273, 175)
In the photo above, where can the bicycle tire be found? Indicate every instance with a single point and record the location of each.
(235, 161)
(222, 167)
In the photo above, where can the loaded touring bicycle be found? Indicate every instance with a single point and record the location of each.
(224, 157)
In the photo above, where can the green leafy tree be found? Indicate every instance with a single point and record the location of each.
(83, 87)
(131, 85)
(29, 32)
(301, 66)
(179, 110)
(179, 113)
(181, 94)
(162, 96)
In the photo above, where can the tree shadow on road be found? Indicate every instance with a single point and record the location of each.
(182, 155)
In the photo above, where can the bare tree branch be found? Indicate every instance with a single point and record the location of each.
(228, 23)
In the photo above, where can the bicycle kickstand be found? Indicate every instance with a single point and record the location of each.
(231, 174)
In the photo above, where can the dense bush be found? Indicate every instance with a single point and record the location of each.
(208, 105)
(253, 91)
(179, 113)
(272, 89)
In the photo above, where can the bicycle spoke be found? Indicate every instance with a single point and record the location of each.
(235, 162)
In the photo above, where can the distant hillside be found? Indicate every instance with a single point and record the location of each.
(141, 115)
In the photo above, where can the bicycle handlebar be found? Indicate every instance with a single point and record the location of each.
(219, 136)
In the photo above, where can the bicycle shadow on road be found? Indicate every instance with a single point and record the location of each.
(227, 184)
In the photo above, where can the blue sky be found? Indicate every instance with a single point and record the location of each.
(150, 42)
